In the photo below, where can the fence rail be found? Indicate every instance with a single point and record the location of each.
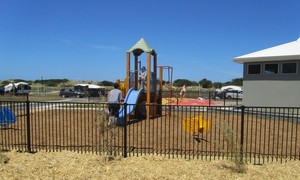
(254, 134)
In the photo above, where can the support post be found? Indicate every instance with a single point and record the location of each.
(160, 91)
(127, 83)
(125, 131)
(148, 85)
(28, 123)
(136, 72)
(242, 133)
(209, 98)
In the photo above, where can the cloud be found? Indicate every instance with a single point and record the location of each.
(225, 72)
(64, 41)
(103, 47)
(95, 46)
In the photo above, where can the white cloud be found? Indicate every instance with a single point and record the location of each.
(95, 46)
(103, 47)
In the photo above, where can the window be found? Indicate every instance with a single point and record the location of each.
(271, 69)
(288, 68)
(254, 69)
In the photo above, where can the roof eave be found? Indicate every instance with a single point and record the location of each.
(242, 60)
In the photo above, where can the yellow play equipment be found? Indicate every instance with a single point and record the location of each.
(196, 125)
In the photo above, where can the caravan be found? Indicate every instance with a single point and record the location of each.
(20, 88)
(91, 90)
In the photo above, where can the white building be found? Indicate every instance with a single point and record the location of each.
(271, 77)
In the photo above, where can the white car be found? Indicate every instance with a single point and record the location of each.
(234, 95)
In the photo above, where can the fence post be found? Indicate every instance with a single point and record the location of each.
(28, 124)
(242, 133)
(209, 98)
(125, 130)
(237, 98)
(224, 97)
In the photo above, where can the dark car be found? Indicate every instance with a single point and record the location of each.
(70, 93)
(2, 90)
(218, 95)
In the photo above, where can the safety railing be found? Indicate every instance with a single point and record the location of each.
(253, 134)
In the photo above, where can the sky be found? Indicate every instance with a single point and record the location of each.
(87, 40)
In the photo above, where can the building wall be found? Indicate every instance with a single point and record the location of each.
(276, 90)
(271, 93)
(278, 76)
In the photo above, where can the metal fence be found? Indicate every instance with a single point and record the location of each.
(253, 134)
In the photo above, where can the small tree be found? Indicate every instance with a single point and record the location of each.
(234, 148)
(107, 130)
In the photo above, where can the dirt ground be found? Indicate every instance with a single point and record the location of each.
(72, 165)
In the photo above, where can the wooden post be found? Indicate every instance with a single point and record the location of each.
(160, 90)
(136, 73)
(160, 80)
(155, 64)
(127, 80)
(148, 85)
(155, 72)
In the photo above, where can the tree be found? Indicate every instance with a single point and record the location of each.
(181, 82)
(205, 83)
(107, 83)
(217, 85)
(6, 82)
(237, 81)
(51, 82)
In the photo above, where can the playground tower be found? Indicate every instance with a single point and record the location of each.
(150, 95)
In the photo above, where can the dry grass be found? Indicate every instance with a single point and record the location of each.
(71, 165)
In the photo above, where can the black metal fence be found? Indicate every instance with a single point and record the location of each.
(253, 134)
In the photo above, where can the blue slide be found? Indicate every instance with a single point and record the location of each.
(131, 99)
(7, 117)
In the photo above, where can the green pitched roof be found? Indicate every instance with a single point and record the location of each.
(140, 47)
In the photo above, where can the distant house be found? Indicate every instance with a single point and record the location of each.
(271, 77)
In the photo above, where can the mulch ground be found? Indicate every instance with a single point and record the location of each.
(72, 165)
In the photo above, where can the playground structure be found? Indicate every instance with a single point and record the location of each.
(148, 93)
(144, 99)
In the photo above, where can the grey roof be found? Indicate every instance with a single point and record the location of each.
(140, 47)
(287, 51)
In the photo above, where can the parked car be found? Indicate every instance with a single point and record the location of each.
(234, 94)
(218, 95)
(70, 93)
(2, 90)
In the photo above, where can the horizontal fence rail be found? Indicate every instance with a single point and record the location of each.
(252, 134)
